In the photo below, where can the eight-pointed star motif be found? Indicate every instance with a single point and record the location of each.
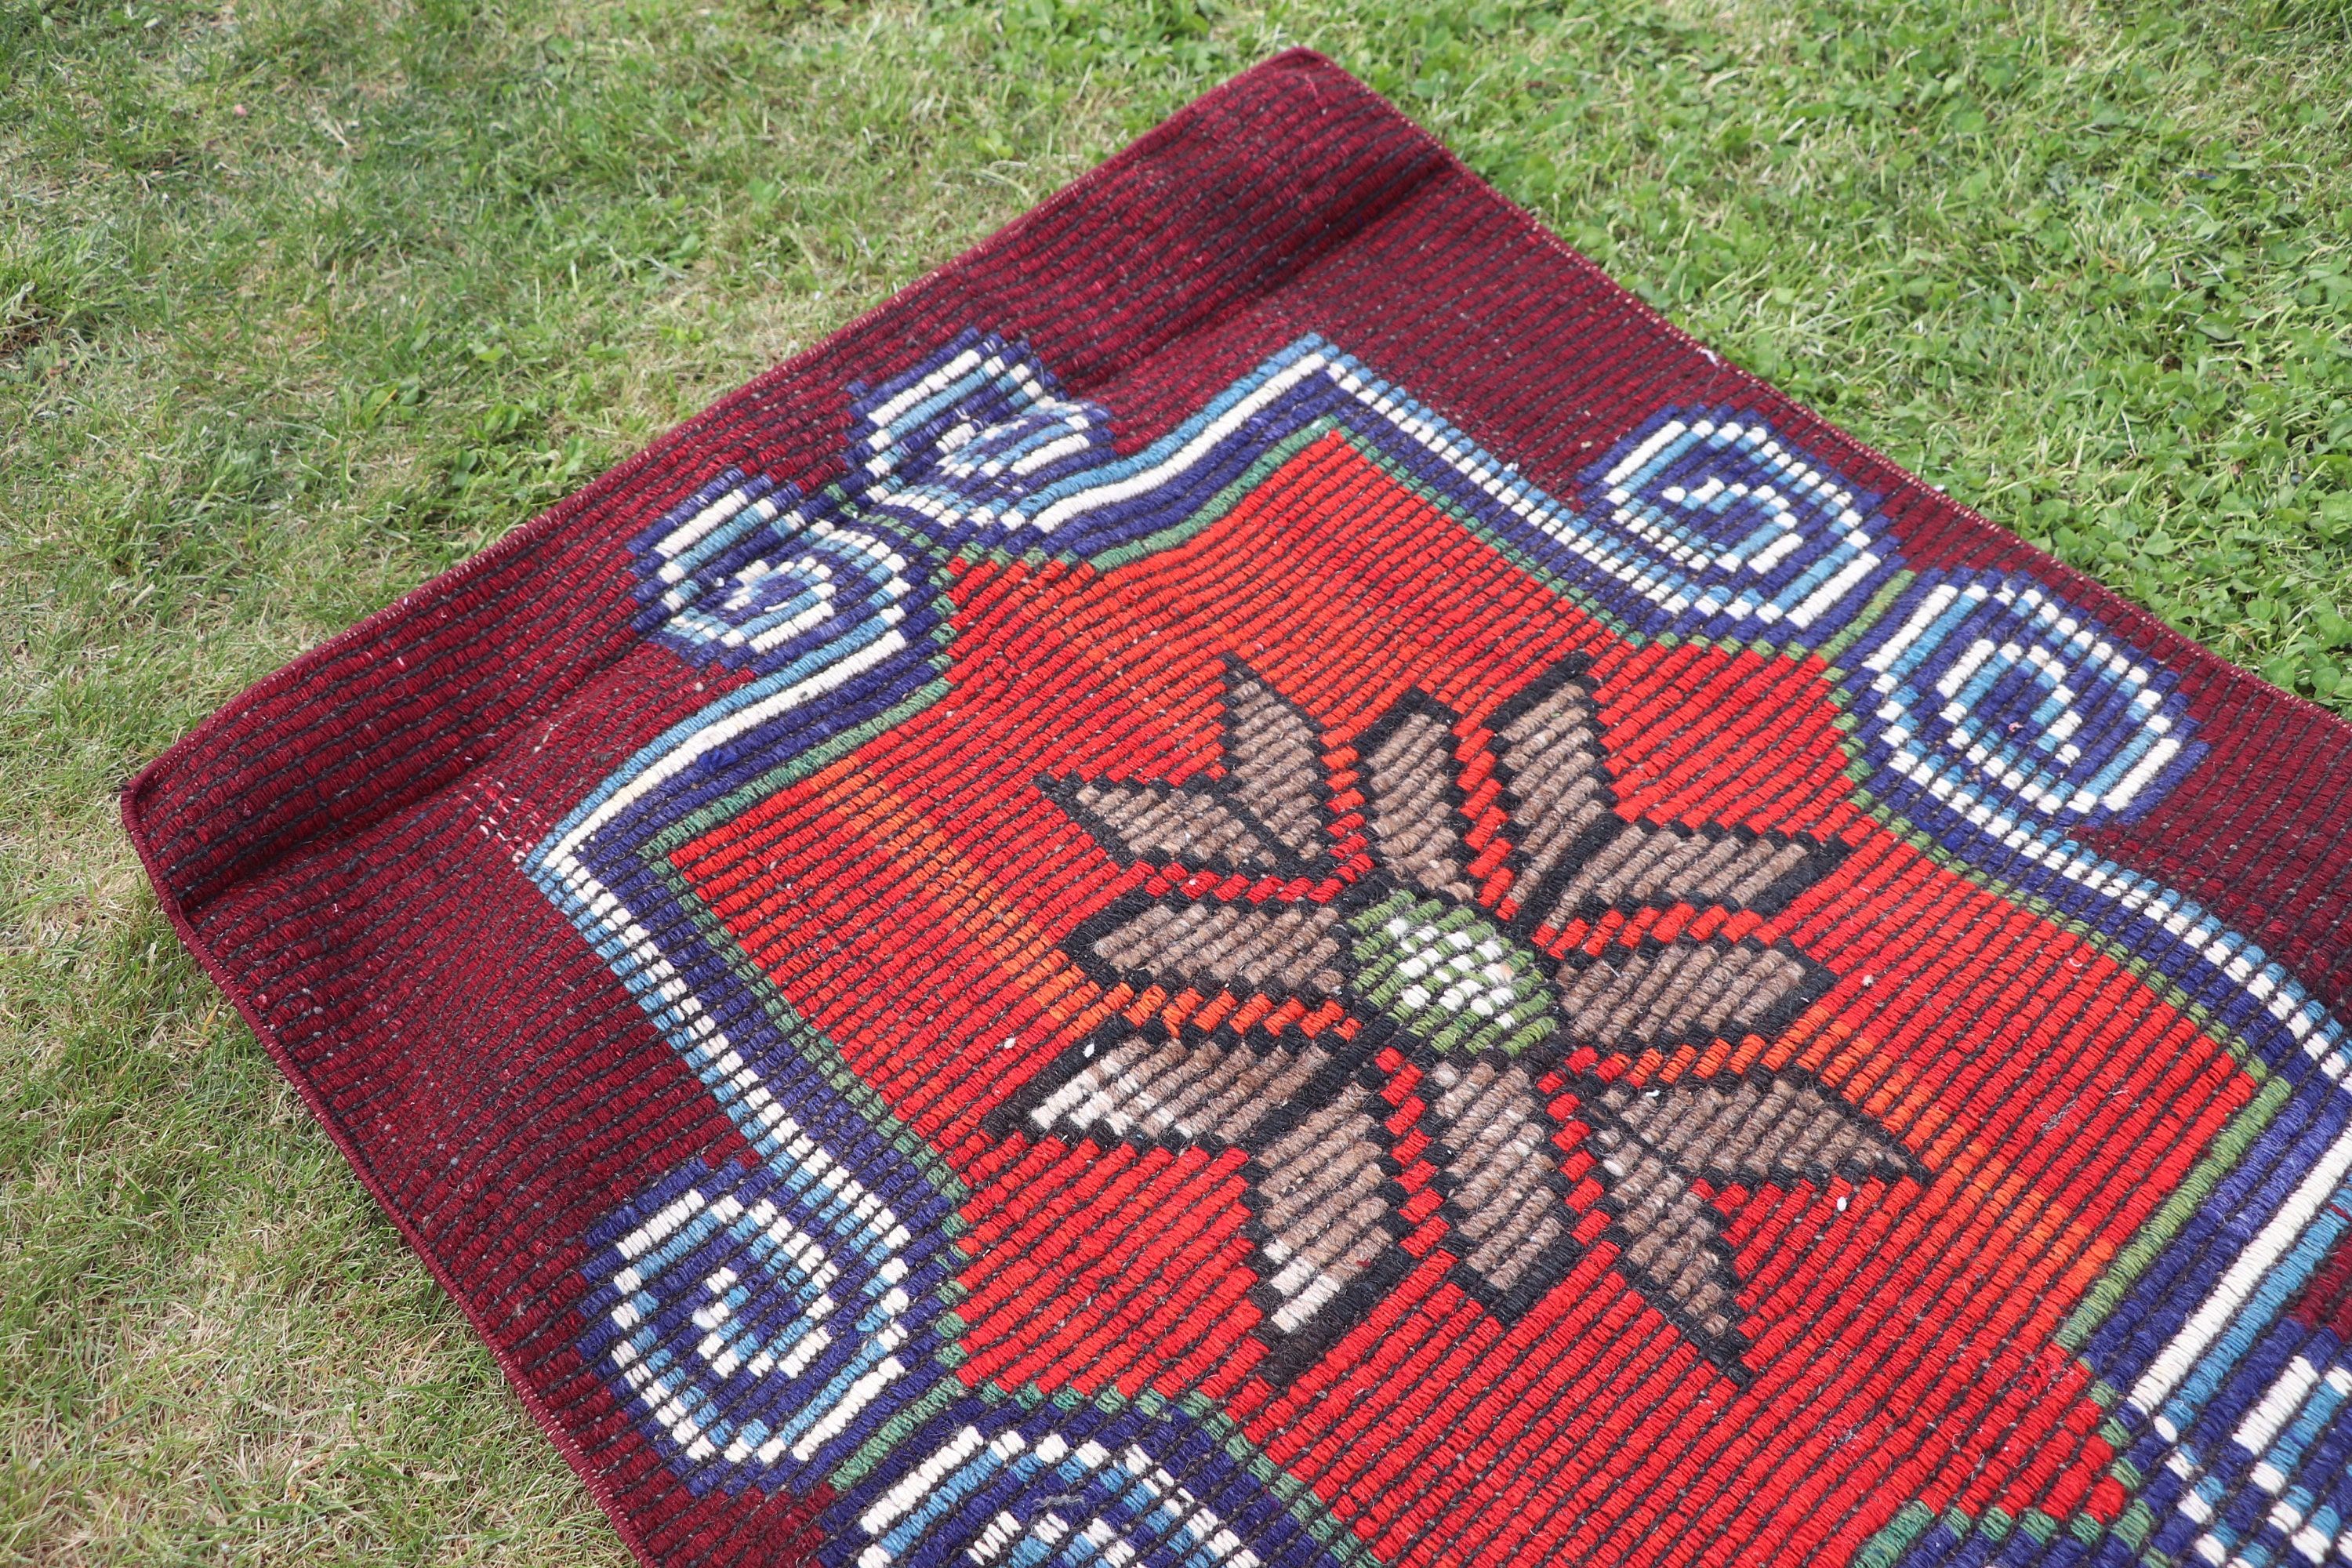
(1421, 879)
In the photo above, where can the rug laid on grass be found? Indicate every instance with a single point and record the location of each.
(1262, 878)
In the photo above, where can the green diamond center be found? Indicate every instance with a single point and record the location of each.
(1449, 976)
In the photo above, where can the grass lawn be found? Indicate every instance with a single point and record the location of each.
(301, 303)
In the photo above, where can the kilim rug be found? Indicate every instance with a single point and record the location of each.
(1262, 878)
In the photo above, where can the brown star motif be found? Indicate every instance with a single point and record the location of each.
(1418, 882)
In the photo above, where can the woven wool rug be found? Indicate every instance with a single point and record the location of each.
(1262, 878)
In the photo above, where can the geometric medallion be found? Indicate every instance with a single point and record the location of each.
(1422, 895)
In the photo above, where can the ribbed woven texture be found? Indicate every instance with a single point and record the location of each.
(1262, 878)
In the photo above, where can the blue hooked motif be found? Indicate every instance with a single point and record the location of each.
(1987, 695)
(1722, 529)
(760, 575)
(1982, 693)
(751, 573)
(980, 434)
(761, 1321)
(1072, 1485)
